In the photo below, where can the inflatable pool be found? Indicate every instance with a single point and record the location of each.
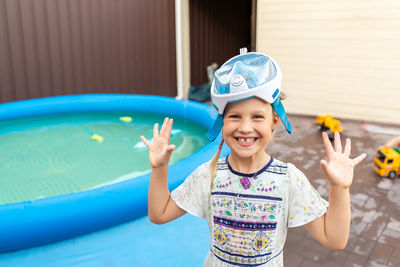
(43, 221)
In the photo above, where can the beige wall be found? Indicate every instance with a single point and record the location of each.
(337, 57)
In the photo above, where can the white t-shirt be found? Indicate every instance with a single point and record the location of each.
(248, 214)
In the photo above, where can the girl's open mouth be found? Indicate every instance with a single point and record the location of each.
(246, 140)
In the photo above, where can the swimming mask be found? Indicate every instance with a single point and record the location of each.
(244, 76)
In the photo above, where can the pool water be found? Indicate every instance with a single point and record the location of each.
(54, 155)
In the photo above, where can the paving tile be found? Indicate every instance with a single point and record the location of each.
(292, 241)
(301, 231)
(295, 236)
(357, 226)
(381, 218)
(364, 247)
(309, 236)
(375, 229)
(394, 224)
(336, 258)
(358, 199)
(394, 242)
(370, 188)
(309, 263)
(394, 262)
(351, 243)
(381, 253)
(312, 250)
(371, 263)
(372, 203)
(396, 253)
(288, 249)
(369, 215)
(386, 184)
(391, 233)
(393, 195)
(292, 260)
(355, 261)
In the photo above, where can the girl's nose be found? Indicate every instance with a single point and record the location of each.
(245, 126)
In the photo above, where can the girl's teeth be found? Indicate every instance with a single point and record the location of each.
(246, 140)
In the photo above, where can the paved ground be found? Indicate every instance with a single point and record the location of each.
(375, 226)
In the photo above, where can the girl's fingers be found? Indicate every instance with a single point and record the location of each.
(328, 145)
(323, 163)
(171, 147)
(169, 129)
(145, 141)
(359, 159)
(347, 147)
(155, 131)
(164, 125)
(338, 143)
(324, 166)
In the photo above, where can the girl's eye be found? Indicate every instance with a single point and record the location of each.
(233, 116)
(258, 117)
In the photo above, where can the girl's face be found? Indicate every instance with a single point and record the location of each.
(248, 126)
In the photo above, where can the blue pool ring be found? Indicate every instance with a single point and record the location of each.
(39, 222)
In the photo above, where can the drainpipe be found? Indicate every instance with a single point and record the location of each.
(179, 57)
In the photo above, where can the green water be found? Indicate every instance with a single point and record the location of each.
(54, 155)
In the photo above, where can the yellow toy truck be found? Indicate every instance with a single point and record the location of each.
(329, 124)
(387, 162)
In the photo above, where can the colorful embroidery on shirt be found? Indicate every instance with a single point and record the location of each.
(244, 226)
(245, 182)
(248, 226)
(222, 165)
(278, 169)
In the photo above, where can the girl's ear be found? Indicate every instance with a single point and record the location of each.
(275, 121)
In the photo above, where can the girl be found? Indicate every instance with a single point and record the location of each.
(249, 199)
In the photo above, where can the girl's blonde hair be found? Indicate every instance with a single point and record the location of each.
(214, 160)
(213, 164)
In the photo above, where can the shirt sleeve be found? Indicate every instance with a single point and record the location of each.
(193, 194)
(305, 204)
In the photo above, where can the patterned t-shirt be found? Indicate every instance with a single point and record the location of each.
(248, 214)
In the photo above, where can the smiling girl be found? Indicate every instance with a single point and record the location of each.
(249, 198)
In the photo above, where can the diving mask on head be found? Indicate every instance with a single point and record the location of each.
(244, 76)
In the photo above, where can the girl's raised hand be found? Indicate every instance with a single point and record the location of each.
(340, 167)
(160, 150)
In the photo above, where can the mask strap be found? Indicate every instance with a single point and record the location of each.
(280, 110)
(216, 128)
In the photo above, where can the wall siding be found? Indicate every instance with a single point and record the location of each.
(59, 47)
(337, 57)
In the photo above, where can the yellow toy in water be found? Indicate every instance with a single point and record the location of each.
(93, 135)
(329, 124)
(97, 137)
(125, 119)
